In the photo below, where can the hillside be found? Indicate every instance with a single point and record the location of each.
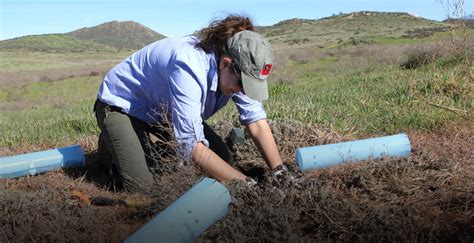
(121, 35)
(469, 23)
(53, 43)
(344, 29)
(353, 28)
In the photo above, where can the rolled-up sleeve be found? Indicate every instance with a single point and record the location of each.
(185, 97)
(249, 110)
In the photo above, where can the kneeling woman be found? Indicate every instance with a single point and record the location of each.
(189, 79)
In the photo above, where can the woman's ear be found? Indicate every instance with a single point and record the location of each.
(224, 62)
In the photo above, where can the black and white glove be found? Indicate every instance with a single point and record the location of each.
(279, 170)
(283, 176)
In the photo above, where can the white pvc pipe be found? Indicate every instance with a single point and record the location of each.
(322, 156)
(39, 162)
(189, 216)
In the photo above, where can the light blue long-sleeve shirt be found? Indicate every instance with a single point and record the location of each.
(173, 77)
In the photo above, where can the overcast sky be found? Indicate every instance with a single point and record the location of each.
(182, 17)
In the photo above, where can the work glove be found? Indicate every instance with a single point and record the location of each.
(283, 176)
(279, 170)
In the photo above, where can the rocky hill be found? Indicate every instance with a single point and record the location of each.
(121, 35)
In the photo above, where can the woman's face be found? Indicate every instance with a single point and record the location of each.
(230, 81)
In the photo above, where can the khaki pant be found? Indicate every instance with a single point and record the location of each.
(125, 139)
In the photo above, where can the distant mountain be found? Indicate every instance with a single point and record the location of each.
(121, 35)
(105, 37)
(467, 20)
(364, 27)
(469, 16)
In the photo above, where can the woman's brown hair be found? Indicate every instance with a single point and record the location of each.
(214, 37)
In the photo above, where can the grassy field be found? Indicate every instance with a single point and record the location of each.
(356, 91)
(20, 67)
(350, 89)
(48, 113)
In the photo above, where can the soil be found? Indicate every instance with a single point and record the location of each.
(428, 196)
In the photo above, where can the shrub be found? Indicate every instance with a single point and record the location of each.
(420, 56)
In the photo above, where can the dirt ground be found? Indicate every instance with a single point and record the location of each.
(428, 196)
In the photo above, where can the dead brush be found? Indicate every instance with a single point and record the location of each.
(425, 197)
(421, 55)
(349, 203)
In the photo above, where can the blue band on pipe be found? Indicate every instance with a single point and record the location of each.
(39, 162)
(326, 155)
(189, 216)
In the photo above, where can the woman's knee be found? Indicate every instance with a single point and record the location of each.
(143, 183)
(121, 138)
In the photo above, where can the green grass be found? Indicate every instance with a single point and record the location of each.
(374, 100)
(4, 96)
(53, 43)
(20, 61)
(48, 113)
(339, 89)
(47, 126)
(50, 94)
(379, 101)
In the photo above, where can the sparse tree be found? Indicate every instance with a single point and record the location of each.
(454, 10)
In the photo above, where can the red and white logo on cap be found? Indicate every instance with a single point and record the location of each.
(266, 69)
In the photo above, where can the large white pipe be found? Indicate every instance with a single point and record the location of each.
(315, 157)
(39, 162)
(189, 216)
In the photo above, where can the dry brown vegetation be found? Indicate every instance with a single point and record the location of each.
(426, 197)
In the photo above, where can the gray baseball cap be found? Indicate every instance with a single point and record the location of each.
(254, 56)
